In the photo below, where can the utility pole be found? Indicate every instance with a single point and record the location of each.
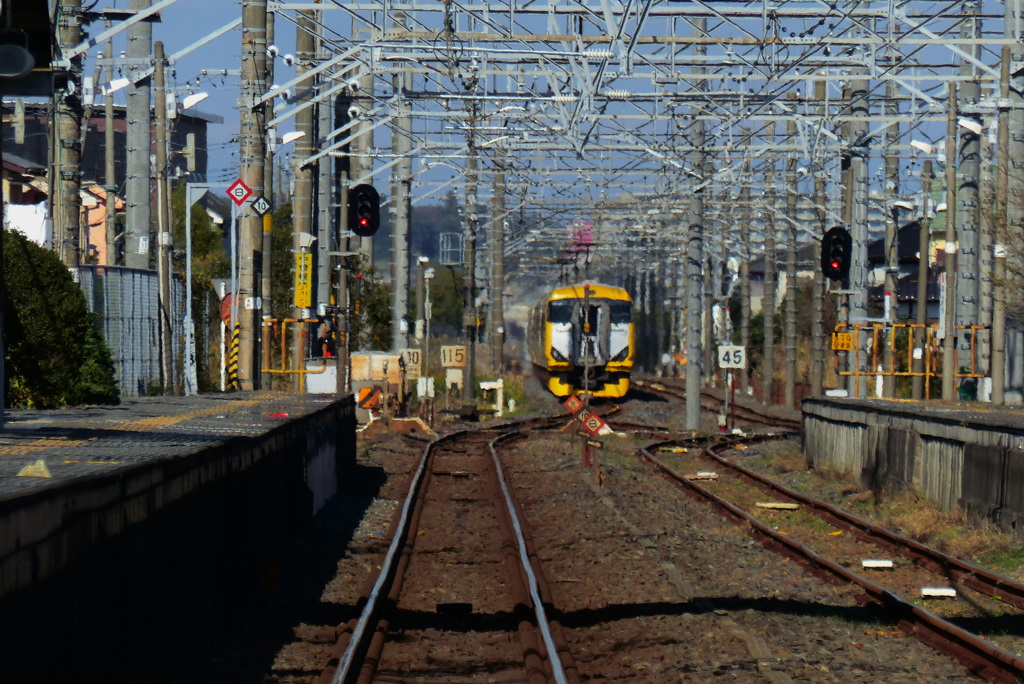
(949, 312)
(109, 169)
(162, 227)
(818, 336)
(968, 205)
(769, 299)
(892, 227)
(1011, 171)
(695, 254)
(791, 284)
(1002, 225)
(302, 201)
(496, 244)
(745, 255)
(68, 115)
(252, 154)
(859, 152)
(469, 268)
(138, 217)
(923, 250)
(266, 291)
(401, 184)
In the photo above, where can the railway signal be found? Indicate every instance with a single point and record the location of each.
(363, 210)
(836, 250)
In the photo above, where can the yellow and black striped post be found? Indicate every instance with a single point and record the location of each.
(233, 382)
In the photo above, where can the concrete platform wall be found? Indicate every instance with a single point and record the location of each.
(968, 458)
(103, 579)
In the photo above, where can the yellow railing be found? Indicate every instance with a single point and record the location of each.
(268, 323)
(896, 356)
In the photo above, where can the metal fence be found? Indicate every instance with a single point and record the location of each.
(127, 301)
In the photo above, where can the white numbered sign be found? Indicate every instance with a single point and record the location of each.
(732, 356)
(413, 359)
(453, 356)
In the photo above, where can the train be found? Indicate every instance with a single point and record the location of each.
(581, 339)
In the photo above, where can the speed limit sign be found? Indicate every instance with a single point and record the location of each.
(732, 356)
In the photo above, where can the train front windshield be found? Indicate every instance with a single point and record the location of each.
(619, 312)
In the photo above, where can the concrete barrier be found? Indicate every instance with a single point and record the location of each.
(103, 577)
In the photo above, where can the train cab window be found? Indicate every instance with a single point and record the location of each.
(560, 311)
(621, 312)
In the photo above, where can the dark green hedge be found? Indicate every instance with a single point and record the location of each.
(55, 355)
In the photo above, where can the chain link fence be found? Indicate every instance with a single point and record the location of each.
(127, 302)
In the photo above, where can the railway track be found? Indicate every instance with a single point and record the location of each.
(714, 404)
(459, 593)
(972, 600)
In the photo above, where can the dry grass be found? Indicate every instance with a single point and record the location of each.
(948, 531)
(786, 457)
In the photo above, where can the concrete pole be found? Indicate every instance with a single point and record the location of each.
(968, 204)
(892, 190)
(302, 201)
(791, 284)
(858, 208)
(924, 249)
(1011, 170)
(138, 213)
(496, 244)
(268, 220)
(253, 156)
(109, 169)
(768, 301)
(162, 227)
(998, 365)
(949, 343)
(695, 256)
(469, 267)
(67, 202)
(745, 256)
(401, 190)
(818, 333)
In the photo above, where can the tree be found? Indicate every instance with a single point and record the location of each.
(56, 355)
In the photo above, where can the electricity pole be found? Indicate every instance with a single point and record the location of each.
(695, 256)
(163, 228)
(496, 243)
(139, 140)
(253, 155)
(302, 200)
(67, 201)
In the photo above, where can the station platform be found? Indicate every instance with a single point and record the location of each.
(966, 454)
(151, 520)
(96, 440)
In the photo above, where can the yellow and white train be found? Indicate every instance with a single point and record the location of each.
(581, 340)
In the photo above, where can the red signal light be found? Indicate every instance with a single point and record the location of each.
(364, 221)
(835, 265)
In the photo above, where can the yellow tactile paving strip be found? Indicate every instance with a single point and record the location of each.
(154, 422)
(141, 425)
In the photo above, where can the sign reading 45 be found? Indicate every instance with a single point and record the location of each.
(732, 356)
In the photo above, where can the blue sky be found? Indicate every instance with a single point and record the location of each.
(184, 23)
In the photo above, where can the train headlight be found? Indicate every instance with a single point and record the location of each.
(621, 356)
(557, 355)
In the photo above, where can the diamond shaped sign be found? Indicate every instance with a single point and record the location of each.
(239, 192)
(261, 205)
(574, 404)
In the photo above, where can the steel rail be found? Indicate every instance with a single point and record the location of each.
(983, 658)
(969, 575)
(366, 636)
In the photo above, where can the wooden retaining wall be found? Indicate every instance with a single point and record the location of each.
(973, 458)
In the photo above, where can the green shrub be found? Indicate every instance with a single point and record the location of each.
(55, 355)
